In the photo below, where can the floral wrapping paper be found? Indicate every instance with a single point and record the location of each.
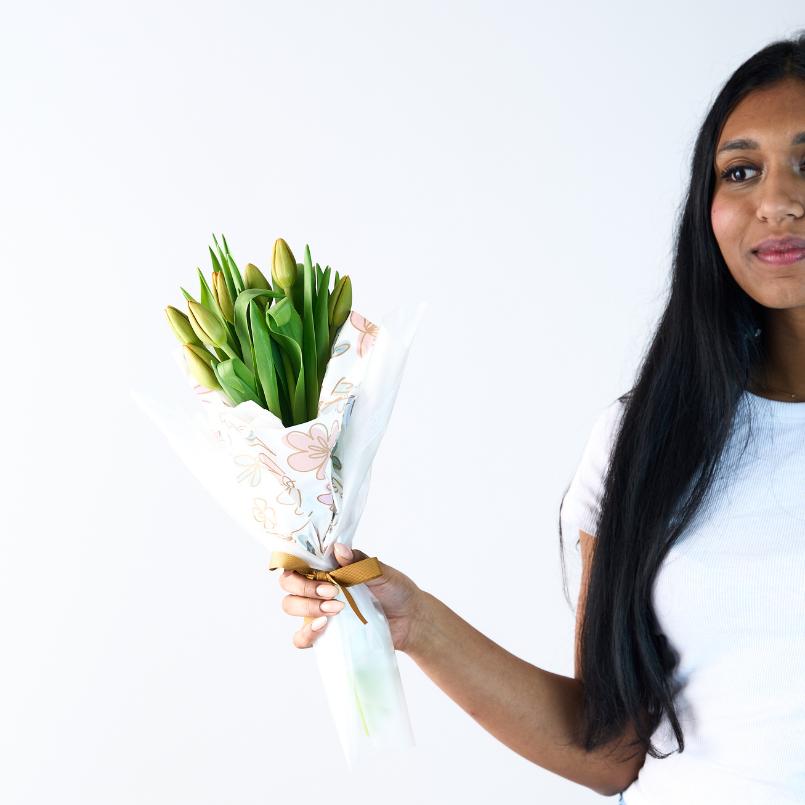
(301, 489)
(289, 479)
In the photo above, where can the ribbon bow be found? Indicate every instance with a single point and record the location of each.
(342, 577)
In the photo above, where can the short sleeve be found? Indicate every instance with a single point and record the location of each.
(581, 506)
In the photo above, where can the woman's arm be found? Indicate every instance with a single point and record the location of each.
(534, 712)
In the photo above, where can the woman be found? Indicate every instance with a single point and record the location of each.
(689, 502)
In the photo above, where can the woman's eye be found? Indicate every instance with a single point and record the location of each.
(726, 174)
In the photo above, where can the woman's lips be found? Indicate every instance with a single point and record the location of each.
(783, 258)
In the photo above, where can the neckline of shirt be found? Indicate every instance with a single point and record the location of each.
(780, 409)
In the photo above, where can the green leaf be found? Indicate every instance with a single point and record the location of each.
(288, 347)
(208, 298)
(217, 247)
(297, 292)
(236, 380)
(286, 330)
(294, 373)
(322, 327)
(216, 266)
(224, 269)
(284, 378)
(309, 340)
(232, 338)
(242, 322)
(299, 402)
(264, 359)
(187, 296)
(287, 320)
(236, 278)
(228, 261)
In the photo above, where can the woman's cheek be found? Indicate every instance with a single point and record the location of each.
(723, 219)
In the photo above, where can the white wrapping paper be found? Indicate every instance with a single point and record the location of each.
(302, 489)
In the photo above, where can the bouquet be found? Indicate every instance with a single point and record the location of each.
(290, 393)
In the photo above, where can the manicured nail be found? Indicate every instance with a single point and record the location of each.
(318, 623)
(332, 606)
(326, 590)
(341, 551)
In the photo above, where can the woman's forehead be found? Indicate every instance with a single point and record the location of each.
(773, 115)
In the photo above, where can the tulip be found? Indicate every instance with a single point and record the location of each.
(284, 345)
(180, 325)
(203, 354)
(340, 302)
(221, 294)
(200, 370)
(209, 328)
(283, 266)
(255, 278)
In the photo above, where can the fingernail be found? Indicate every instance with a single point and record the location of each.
(318, 623)
(332, 606)
(341, 551)
(326, 590)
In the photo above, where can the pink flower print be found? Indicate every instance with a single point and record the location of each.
(265, 515)
(339, 393)
(289, 495)
(367, 330)
(314, 448)
(272, 465)
(326, 497)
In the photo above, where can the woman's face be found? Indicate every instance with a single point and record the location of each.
(763, 195)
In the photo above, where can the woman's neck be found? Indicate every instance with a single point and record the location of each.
(782, 375)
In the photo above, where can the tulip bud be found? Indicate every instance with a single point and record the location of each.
(204, 354)
(340, 303)
(200, 370)
(255, 278)
(221, 293)
(208, 327)
(180, 325)
(283, 266)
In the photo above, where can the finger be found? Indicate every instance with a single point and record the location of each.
(310, 607)
(345, 555)
(306, 636)
(296, 584)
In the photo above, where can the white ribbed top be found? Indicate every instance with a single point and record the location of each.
(730, 597)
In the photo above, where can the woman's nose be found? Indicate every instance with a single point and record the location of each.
(782, 194)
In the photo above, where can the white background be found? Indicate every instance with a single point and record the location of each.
(517, 166)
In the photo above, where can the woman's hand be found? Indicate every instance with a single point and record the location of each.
(397, 594)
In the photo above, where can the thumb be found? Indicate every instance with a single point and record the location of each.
(345, 555)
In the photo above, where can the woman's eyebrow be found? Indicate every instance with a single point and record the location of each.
(746, 145)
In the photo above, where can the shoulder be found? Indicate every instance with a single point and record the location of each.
(581, 502)
(605, 424)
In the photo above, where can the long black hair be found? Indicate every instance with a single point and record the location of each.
(673, 428)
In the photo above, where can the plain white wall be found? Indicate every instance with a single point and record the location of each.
(519, 166)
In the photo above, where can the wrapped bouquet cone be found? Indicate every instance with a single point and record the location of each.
(298, 484)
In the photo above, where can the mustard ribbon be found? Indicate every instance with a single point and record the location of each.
(342, 577)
